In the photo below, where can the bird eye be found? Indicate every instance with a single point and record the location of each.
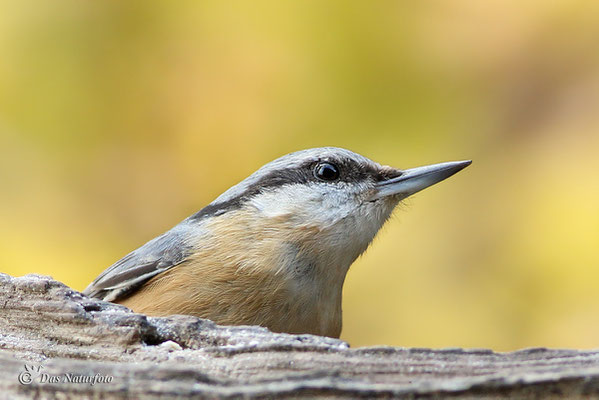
(326, 172)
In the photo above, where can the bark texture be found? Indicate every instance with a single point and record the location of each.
(54, 341)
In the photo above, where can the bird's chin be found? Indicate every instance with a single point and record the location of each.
(385, 202)
(374, 214)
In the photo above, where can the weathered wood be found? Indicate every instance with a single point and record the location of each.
(45, 323)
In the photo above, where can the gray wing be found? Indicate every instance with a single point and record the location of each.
(151, 259)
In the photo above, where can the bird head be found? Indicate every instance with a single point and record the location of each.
(339, 196)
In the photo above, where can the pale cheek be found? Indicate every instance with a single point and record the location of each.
(273, 205)
(306, 206)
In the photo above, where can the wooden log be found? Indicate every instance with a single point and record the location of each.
(57, 343)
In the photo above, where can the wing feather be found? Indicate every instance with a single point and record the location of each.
(133, 270)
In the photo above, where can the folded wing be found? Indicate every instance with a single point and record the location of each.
(133, 270)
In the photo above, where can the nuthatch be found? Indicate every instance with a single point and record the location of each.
(272, 250)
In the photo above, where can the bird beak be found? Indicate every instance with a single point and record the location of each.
(415, 179)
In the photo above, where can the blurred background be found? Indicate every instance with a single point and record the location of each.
(119, 119)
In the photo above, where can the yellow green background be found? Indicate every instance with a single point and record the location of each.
(120, 118)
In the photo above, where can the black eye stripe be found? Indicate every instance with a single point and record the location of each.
(347, 171)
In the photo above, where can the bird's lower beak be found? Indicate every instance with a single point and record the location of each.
(415, 179)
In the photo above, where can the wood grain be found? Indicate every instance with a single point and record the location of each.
(45, 323)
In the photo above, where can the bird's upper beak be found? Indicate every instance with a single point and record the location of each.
(415, 179)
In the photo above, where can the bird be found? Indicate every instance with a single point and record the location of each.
(272, 250)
